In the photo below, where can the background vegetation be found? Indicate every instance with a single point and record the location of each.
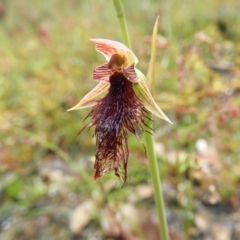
(47, 189)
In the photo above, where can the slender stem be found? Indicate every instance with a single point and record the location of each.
(156, 182)
(150, 146)
(148, 137)
(121, 17)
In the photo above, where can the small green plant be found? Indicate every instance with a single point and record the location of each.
(122, 102)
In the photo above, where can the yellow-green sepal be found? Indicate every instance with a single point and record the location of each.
(91, 98)
(146, 98)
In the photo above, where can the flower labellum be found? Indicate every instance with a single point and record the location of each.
(120, 102)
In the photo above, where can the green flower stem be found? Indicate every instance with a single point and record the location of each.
(156, 181)
(148, 137)
(150, 146)
(121, 17)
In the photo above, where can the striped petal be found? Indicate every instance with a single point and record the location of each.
(146, 98)
(91, 98)
(130, 74)
(102, 73)
(109, 47)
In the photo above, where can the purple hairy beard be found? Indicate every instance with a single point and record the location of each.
(114, 115)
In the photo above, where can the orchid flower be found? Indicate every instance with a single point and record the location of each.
(120, 102)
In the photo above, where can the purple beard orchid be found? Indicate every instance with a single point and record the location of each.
(120, 102)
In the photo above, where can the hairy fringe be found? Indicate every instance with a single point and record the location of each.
(114, 115)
